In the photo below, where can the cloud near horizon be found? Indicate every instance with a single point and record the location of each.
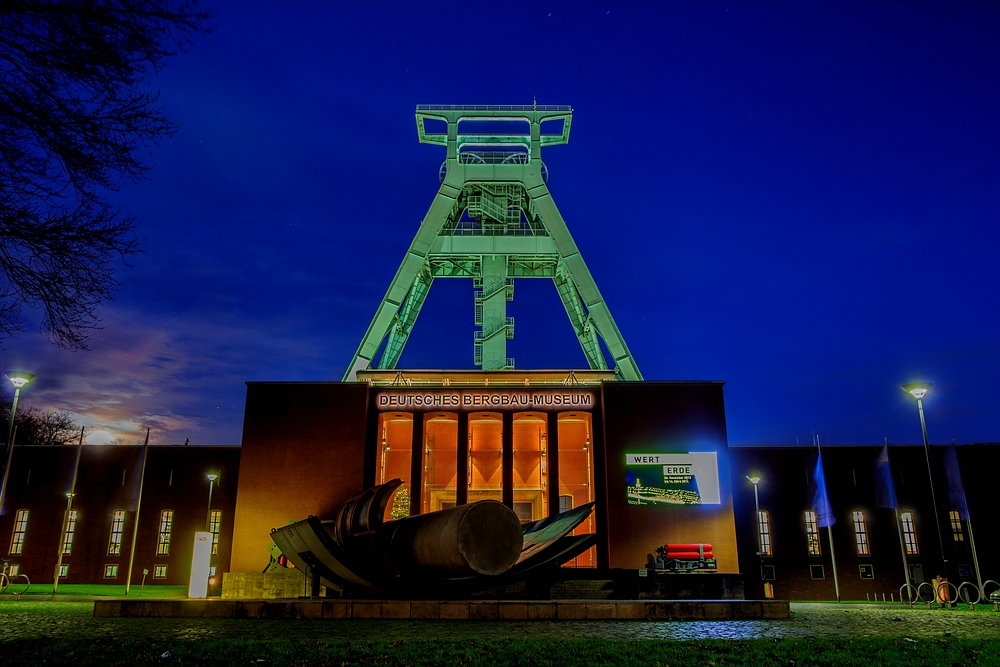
(178, 378)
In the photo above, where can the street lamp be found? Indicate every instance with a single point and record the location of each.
(918, 390)
(208, 518)
(755, 480)
(18, 379)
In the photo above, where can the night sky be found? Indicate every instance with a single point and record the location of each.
(800, 199)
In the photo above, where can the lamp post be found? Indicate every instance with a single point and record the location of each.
(918, 390)
(755, 480)
(18, 379)
(208, 518)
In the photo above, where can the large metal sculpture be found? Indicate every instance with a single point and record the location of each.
(493, 220)
(457, 551)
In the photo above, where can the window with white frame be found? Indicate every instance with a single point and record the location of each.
(909, 533)
(214, 526)
(63, 571)
(163, 536)
(117, 529)
(812, 534)
(20, 529)
(67, 541)
(860, 533)
(764, 532)
(111, 571)
(159, 572)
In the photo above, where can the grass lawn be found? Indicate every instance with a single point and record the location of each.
(503, 652)
(113, 590)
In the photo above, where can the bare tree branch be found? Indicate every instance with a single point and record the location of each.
(76, 107)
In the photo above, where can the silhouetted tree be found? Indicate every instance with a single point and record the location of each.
(76, 112)
(37, 427)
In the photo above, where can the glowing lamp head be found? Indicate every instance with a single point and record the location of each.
(19, 378)
(212, 477)
(755, 480)
(917, 389)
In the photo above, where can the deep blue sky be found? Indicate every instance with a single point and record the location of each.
(798, 198)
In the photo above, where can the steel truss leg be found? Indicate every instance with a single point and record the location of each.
(407, 276)
(405, 318)
(576, 269)
(587, 311)
(585, 332)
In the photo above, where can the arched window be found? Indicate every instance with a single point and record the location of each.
(861, 533)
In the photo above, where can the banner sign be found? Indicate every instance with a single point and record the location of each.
(485, 399)
(690, 478)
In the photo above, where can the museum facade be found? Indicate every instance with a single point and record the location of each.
(652, 456)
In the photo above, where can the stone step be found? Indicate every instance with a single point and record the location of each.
(473, 610)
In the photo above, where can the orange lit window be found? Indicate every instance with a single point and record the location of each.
(576, 473)
(395, 447)
(440, 461)
(485, 456)
(530, 463)
(955, 519)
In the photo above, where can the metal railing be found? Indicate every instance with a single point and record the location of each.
(505, 326)
(467, 228)
(494, 107)
(493, 157)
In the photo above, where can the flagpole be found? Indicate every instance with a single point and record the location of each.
(975, 559)
(902, 549)
(829, 534)
(833, 561)
(895, 513)
(956, 498)
(135, 527)
(69, 508)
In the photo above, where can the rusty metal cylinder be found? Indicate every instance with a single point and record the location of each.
(479, 538)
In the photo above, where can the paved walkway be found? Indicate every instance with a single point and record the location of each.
(26, 619)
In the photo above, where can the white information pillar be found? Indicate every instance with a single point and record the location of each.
(198, 587)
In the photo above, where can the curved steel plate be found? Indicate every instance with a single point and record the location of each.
(308, 545)
(538, 535)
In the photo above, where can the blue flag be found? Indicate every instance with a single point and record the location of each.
(821, 502)
(885, 490)
(956, 490)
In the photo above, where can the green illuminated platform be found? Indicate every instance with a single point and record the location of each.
(475, 610)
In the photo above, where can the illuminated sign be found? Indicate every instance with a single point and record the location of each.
(673, 479)
(500, 399)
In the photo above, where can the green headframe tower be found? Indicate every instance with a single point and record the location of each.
(494, 220)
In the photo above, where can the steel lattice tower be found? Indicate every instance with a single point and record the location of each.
(493, 220)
